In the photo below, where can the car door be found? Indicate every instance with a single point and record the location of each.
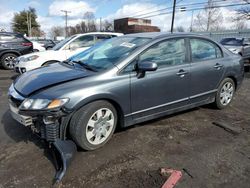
(207, 68)
(79, 44)
(166, 88)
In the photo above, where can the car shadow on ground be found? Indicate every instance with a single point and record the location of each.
(20, 133)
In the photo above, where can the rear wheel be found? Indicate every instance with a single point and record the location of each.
(8, 61)
(225, 93)
(93, 125)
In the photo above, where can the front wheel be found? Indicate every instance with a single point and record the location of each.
(93, 125)
(225, 93)
(8, 61)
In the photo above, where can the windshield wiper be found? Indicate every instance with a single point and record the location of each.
(86, 66)
(68, 62)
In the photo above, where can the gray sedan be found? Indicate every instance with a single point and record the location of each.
(124, 81)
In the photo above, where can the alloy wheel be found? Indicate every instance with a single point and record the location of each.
(9, 61)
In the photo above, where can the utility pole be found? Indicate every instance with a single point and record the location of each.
(173, 15)
(191, 26)
(100, 23)
(28, 24)
(66, 21)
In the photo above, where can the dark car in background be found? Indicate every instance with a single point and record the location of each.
(47, 43)
(235, 45)
(239, 46)
(124, 81)
(13, 45)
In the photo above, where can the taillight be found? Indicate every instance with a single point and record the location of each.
(26, 44)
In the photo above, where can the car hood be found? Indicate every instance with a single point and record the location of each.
(48, 76)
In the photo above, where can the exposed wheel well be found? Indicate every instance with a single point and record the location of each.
(120, 114)
(234, 79)
(9, 53)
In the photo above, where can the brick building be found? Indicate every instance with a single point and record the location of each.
(134, 25)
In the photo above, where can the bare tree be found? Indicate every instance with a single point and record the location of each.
(108, 26)
(244, 11)
(89, 17)
(180, 29)
(56, 31)
(209, 19)
(238, 23)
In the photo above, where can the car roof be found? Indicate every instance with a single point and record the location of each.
(11, 33)
(100, 33)
(163, 34)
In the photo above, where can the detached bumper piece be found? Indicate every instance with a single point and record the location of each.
(62, 152)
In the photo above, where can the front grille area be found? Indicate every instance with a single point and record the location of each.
(50, 132)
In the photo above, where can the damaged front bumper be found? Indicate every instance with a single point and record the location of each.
(50, 126)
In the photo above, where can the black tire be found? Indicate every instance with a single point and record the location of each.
(218, 103)
(78, 124)
(8, 65)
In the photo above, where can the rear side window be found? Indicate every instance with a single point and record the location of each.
(204, 50)
(7, 37)
(167, 53)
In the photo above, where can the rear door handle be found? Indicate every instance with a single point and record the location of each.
(181, 73)
(218, 66)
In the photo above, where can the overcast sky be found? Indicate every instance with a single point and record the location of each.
(49, 11)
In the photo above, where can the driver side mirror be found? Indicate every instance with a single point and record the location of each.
(145, 66)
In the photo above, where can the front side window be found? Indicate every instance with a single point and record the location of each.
(167, 53)
(102, 37)
(204, 50)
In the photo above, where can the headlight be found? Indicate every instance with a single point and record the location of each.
(30, 58)
(42, 104)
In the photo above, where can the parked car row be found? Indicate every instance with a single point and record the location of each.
(13, 45)
(61, 51)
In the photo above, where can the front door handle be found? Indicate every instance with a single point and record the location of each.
(218, 66)
(181, 73)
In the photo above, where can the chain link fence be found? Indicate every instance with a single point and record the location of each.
(218, 35)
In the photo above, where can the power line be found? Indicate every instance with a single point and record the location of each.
(171, 7)
(217, 6)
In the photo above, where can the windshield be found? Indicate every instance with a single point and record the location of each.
(62, 43)
(107, 54)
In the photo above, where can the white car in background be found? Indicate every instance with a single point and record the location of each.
(37, 47)
(62, 51)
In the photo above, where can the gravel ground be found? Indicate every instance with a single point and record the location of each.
(133, 157)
